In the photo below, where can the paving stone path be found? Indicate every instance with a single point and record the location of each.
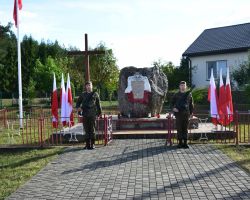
(139, 169)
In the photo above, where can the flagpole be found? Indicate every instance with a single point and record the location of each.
(19, 69)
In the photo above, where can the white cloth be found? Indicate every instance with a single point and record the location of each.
(138, 77)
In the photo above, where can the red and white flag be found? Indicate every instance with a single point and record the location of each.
(20, 5)
(143, 96)
(222, 102)
(212, 97)
(54, 106)
(69, 104)
(63, 103)
(230, 109)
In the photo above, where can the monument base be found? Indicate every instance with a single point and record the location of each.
(153, 123)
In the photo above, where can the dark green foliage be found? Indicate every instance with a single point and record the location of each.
(8, 59)
(242, 75)
(104, 72)
(200, 96)
(40, 60)
(173, 73)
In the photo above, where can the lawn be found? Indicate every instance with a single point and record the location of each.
(44, 102)
(240, 154)
(18, 165)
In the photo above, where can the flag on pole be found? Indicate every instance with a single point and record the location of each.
(20, 5)
(213, 99)
(17, 7)
(69, 104)
(229, 98)
(54, 106)
(222, 102)
(63, 102)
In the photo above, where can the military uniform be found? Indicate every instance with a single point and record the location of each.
(90, 105)
(184, 103)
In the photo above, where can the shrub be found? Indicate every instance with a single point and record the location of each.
(200, 95)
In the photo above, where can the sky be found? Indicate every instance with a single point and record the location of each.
(139, 31)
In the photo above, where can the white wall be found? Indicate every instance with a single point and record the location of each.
(199, 64)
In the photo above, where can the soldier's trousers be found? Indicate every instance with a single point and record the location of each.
(182, 121)
(89, 127)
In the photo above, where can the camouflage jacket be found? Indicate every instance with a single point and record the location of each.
(183, 102)
(90, 104)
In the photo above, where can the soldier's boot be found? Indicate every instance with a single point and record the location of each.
(87, 146)
(185, 145)
(180, 144)
(92, 144)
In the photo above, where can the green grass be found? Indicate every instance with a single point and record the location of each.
(109, 103)
(240, 154)
(244, 135)
(43, 102)
(18, 165)
(30, 134)
(7, 102)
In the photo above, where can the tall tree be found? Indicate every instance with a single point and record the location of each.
(8, 59)
(29, 52)
(40, 60)
(173, 73)
(104, 71)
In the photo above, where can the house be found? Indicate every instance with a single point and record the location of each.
(217, 48)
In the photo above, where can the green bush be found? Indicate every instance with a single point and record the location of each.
(44, 101)
(200, 95)
(247, 91)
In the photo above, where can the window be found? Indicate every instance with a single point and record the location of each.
(216, 66)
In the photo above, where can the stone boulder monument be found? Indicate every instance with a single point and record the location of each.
(141, 92)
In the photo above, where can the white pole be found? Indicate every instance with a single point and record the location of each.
(19, 70)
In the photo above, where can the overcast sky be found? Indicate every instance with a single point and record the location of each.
(139, 31)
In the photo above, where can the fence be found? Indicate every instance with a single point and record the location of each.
(201, 129)
(38, 131)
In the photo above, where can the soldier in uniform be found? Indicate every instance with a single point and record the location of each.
(182, 105)
(88, 104)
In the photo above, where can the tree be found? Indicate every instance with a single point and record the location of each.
(104, 70)
(173, 73)
(242, 75)
(44, 74)
(169, 70)
(29, 52)
(40, 60)
(8, 59)
(184, 71)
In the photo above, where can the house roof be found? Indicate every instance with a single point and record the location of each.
(228, 39)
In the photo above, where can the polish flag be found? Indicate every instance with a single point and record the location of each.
(229, 98)
(54, 106)
(213, 99)
(20, 5)
(222, 102)
(69, 104)
(63, 103)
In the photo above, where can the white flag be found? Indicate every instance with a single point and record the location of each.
(212, 97)
(63, 103)
(69, 103)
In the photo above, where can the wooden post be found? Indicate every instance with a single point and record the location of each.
(86, 54)
(87, 74)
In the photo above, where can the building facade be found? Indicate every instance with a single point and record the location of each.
(218, 48)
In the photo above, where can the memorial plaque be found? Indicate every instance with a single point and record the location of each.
(141, 91)
(138, 89)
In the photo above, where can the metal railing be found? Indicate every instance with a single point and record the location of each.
(38, 131)
(202, 130)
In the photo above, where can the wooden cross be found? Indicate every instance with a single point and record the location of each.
(86, 54)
